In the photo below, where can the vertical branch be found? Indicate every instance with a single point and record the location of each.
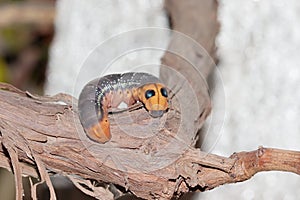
(190, 58)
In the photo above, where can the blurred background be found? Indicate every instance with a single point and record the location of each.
(26, 31)
(43, 44)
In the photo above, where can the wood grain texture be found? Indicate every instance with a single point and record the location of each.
(45, 131)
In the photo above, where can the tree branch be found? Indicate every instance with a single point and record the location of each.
(43, 129)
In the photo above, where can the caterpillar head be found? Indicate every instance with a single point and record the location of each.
(155, 98)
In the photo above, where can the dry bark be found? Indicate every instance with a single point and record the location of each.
(42, 135)
(150, 157)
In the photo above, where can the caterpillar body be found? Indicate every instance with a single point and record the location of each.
(110, 91)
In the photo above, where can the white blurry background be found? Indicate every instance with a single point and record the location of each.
(259, 51)
(83, 26)
(258, 47)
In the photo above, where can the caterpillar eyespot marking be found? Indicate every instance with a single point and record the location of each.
(110, 91)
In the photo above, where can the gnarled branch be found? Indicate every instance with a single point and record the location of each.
(45, 131)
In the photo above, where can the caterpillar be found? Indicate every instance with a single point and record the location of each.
(101, 94)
